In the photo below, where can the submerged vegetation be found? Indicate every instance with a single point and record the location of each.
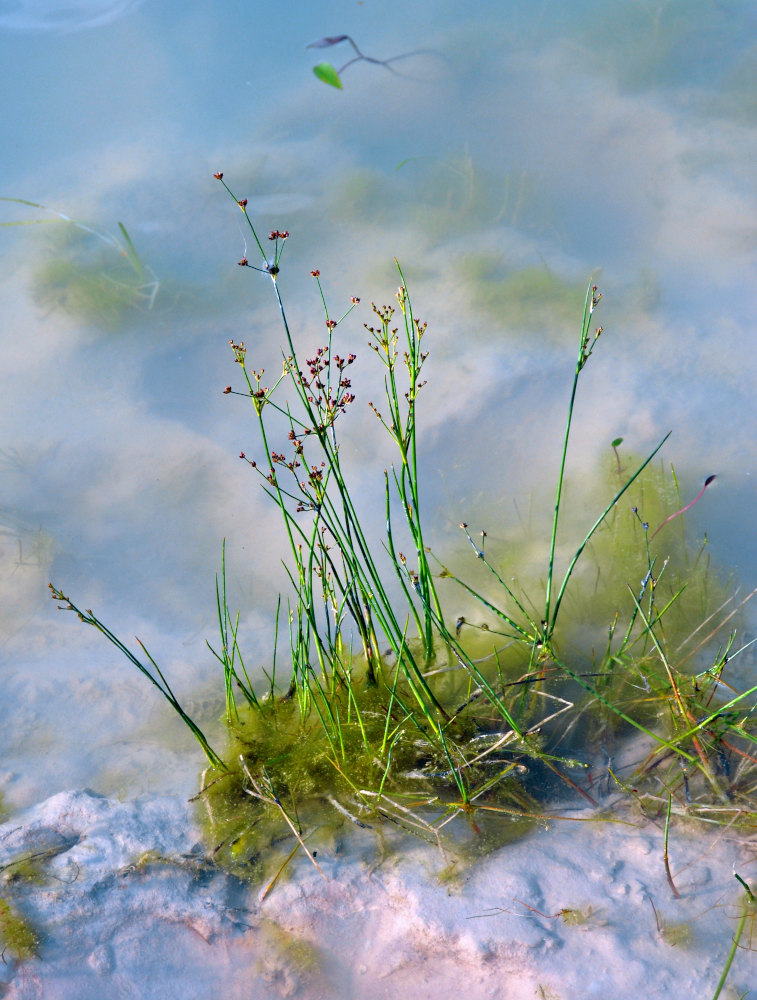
(17, 939)
(87, 272)
(614, 678)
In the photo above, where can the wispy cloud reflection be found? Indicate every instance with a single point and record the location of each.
(501, 185)
(65, 16)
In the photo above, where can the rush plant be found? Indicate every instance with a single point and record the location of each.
(390, 713)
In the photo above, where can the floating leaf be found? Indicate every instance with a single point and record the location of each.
(327, 73)
(324, 43)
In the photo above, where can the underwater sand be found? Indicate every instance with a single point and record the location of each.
(115, 922)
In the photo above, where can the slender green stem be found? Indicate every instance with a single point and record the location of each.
(553, 620)
(732, 952)
(154, 675)
(581, 361)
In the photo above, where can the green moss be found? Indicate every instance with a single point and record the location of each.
(617, 559)
(361, 196)
(29, 866)
(678, 935)
(576, 918)
(17, 939)
(358, 757)
(521, 299)
(24, 868)
(333, 784)
(603, 636)
(84, 275)
(300, 955)
(287, 962)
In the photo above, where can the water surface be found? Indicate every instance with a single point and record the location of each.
(527, 149)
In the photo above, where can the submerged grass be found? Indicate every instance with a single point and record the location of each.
(88, 272)
(393, 716)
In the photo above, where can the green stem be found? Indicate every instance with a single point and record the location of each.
(561, 476)
(732, 952)
(551, 623)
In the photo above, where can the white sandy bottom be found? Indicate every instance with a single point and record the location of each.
(113, 928)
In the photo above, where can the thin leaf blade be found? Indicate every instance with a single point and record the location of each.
(327, 42)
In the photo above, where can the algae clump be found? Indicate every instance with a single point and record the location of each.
(17, 938)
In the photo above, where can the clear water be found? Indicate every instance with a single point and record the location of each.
(528, 147)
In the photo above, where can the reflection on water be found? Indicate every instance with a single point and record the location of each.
(53, 15)
(540, 151)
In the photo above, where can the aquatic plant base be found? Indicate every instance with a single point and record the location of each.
(130, 906)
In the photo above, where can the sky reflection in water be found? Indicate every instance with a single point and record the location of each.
(71, 15)
(533, 148)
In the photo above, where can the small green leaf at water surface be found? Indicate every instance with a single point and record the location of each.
(617, 443)
(326, 72)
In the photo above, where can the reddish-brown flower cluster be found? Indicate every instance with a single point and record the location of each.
(342, 363)
(276, 235)
(296, 443)
(218, 176)
(314, 482)
(239, 351)
(242, 203)
(315, 475)
(316, 274)
(319, 386)
(316, 366)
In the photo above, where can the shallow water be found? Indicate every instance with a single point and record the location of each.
(52, 15)
(529, 921)
(525, 149)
